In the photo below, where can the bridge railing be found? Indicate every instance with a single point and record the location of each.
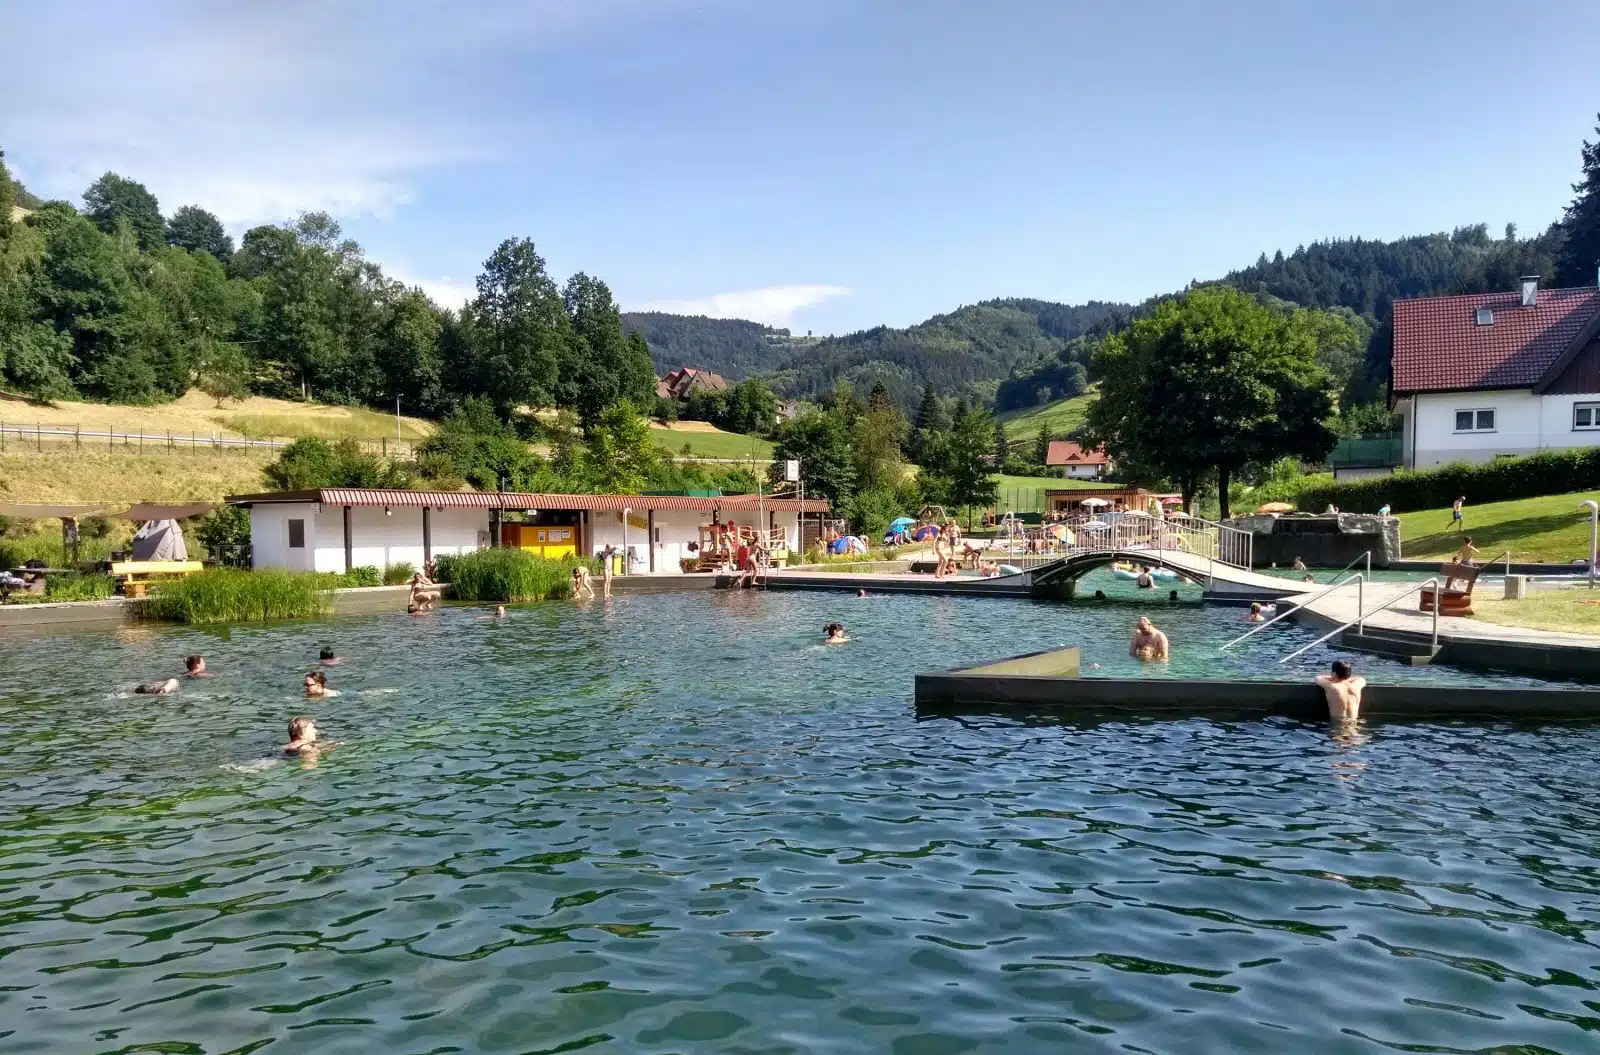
(1128, 530)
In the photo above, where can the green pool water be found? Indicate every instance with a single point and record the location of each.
(678, 823)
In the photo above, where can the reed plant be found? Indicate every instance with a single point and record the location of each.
(510, 575)
(399, 573)
(226, 595)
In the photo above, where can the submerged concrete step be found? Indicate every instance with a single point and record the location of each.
(1415, 649)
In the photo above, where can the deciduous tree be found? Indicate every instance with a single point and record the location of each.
(112, 201)
(199, 231)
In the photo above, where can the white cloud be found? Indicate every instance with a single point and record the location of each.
(445, 292)
(773, 305)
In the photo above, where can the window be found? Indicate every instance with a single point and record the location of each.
(1586, 416)
(1474, 421)
(297, 534)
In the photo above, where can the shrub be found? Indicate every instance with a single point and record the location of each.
(399, 573)
(79, 587)
(509, 575)
(230, 596)
(225, 533)
(365, 575)
(1553, 472)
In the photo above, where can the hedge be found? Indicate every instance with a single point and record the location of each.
(1553, 472)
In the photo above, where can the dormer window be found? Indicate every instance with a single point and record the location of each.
(1485, 316)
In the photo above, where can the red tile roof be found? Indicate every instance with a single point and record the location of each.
(677, 384)
(370, 496)
(1070, 452)
(1439, 346)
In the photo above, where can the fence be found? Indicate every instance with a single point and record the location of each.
(1107, 532)
(1377, 450)
(37, 437)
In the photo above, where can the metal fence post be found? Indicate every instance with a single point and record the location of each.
(77, 437)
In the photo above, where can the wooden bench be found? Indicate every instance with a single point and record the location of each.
(1452, 600)
(135, 576)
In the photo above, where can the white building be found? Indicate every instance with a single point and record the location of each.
(1497, 375)
(1078, 463)
(336, 529)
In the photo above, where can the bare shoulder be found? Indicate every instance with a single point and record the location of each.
(1358, 683)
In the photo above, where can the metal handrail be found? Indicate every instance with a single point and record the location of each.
(1367, 556)
(1361, 590)
(1360, 621)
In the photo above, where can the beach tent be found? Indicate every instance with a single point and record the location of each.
(159, 540)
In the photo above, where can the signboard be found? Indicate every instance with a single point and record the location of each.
(791, 471)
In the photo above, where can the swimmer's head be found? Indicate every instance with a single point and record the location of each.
(303, 730)
(499, 610)
(1144, 624)
(1147, 652)
(195, 664)
(1255, 607)
(327, 654)
(316, 681)
(861, 593)
(412, 609)
(1341, 669)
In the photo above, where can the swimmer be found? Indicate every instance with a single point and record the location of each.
(195, 667)
(304, 737)
(861, 593)
(1100, 595)
(834, 634)
(328, 657)
(1298, 565)
(158, 688)
(1343, 690)
(316, 684)
(499, 611)
(1148, 643)
(419, 609)
(1307, 578)
(1255, 615)
(1172, 596)
(1144, 580)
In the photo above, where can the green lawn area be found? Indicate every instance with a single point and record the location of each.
(1061, 417)
(713, 444)
(1548, 528)
(1025, 494)
(1571, 611)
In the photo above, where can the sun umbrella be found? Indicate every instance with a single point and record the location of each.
(901, 523)
(1093, 503)
(1275, 507)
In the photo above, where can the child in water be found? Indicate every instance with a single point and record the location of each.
(304, 736)
(834, 634)
(328, 657)
(317, 686)
(195, 667)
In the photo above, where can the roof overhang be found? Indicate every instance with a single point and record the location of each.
(512, 500)
(1574, 348)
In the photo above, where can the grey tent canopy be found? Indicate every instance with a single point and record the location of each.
(159, 540)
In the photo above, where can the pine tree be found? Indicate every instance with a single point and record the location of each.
(878, 399)
(1041, 446)
(960, 413)
(1002, 444)
(1580, 258)
(928, 412)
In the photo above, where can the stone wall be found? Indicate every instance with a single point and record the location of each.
(1330, 541)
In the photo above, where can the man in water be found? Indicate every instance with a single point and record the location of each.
(195, 667)
(316, 685)
(328, 658)
(1148, 643)
(835, 634)
(605, 571)
(158, 688)
(1299, 565)
(1343, 690)
(499, 611)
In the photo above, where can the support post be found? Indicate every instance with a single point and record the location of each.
(650, 536)
(1594, 529)
(349, 546)
(427, 535)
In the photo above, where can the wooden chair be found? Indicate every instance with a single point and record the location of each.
(1451, 599)
(135, 576)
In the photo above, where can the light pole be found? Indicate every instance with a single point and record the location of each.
(1594, 529)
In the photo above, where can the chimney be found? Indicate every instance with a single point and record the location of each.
(1530, 290)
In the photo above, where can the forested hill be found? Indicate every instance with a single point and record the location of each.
(965, 353)
(734, 348)
(1368, 276)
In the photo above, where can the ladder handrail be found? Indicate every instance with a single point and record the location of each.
(1361, 618)
(1367, 556)
(1287, 612)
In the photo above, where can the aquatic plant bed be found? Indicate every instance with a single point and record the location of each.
(680, 823)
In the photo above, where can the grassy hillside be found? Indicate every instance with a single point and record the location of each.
(63, 474)
(1549, 528)
(198, 413)
(1025, 494)
(1061, 417)
(705, 441)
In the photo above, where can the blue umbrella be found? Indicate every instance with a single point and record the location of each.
(901, 522)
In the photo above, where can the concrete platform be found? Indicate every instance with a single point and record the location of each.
(886, 582)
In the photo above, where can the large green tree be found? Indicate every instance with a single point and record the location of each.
(821, 442)
(199, 231)
(520, 326)
(1580, 255)
(599, 365)
(113, 201)
(1210, 382)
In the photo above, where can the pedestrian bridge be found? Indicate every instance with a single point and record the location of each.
(1218, 577)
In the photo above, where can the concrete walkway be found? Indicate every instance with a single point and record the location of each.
(1339, 607)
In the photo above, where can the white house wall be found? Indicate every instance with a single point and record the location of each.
(269, 536)
(1524, 424)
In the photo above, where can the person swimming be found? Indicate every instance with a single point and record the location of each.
(328, 657)
(1145, 580)
(861, 593)
(1255, 615)
(158, 688)
(1148, 643)
(499, 611)
(1343, 690)
(195, 667)
(316, 685)
(834, 634)
(305, 738)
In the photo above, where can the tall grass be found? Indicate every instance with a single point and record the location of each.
(353, 422)
(399, 573)
(509, 575)
(229, 596)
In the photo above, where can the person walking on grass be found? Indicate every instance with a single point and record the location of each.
(1455, 513)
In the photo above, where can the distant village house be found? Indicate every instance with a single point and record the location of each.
(680, 383)
(1078, 463)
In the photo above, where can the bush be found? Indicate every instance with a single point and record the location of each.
(366, 575)
(509, 575)
(225, 533)
(870, 512)
(399, 573)
(1553, 472)
(79, 587)
(230, 596)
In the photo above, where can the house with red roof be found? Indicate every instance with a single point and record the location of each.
(680, 383)
(1493, 375)
(1079, 463)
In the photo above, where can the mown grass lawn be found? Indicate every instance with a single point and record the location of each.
(712, 444)
(1549, 528)
(1025, 494)
(1575, 611)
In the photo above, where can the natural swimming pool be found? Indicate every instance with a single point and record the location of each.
(678, 823)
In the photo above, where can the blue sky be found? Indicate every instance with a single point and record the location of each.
(827, 165)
